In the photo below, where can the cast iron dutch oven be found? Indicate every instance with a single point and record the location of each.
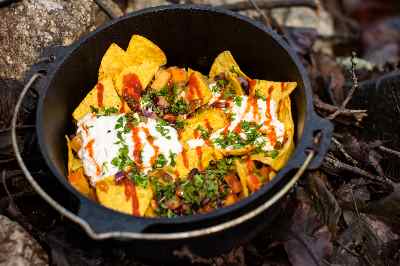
(190, 36)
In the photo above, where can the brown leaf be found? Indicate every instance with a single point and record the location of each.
(308, 240)
(328, 207)
(332, 73)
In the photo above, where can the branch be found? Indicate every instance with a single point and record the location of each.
(358, 114)
(351, 92)
(335, 163)
(388, 150)
(246, 5)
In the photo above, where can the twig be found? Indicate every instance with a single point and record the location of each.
(19, 127)
(261, 12)
(352, 90)
(330, 159)
(358, 114)
(112, 10)
(271, 4)
(343, 151)
(388, 150)
(347, 249)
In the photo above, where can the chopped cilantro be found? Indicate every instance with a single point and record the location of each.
(94, 109)
(203, 132)
(221, 83)
(238, 100)
(103, 111)
(139, 179)
(259, 95)
(179, 124)
(161, 161)
(161, 127)
(163, 92)
(273, 154)
(215, 88)
(172, 157)
(120, 122)
(179, 107)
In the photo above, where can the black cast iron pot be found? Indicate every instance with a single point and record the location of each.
(189, 36)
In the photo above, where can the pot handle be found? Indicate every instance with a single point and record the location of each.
(91, 216)
(316, 138)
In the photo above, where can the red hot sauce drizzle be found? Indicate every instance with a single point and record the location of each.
(199, 153)
(132, 88)
(100, 92)
(185, 159)
(137, 145)
(130, 193)
(89, 148)
(122, 107)
(156, 149)
(271, 130)
(194, 89)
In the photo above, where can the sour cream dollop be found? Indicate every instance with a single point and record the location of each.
(101, 144)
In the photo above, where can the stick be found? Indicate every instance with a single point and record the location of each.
(330, 159)
(343, 151)
(352, 90)
(271, 4)
(388, 150)
(110, 8)
(358, 114)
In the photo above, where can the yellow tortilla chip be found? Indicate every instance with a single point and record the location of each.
(278, 90)
(76, 176)
(143, 50)
(78, 180)
(73, 162)
(285, 116)
(192, 158)
(209, 120)
(197, 90)
(114, 61)
(225, 63)
(144, 72)
(109, 99)
(242, 172)
(114, 196)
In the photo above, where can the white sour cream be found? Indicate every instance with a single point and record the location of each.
(101, 135)
(241, 114)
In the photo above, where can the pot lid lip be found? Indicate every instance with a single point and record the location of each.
(221, 212)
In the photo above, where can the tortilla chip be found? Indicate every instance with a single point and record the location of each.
(109, 99)
(234, 84)
(225, 63)
(161, 80)
(78, 180)
(197, 90)
(143, 50)
(185, 163)
(144, 72)
(114, 61)
(112, 196)
(211, 120)
(73, 162)
(278, 90)
(241, 169)
(285, 116)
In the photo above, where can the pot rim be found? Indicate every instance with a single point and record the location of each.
(298, 153)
